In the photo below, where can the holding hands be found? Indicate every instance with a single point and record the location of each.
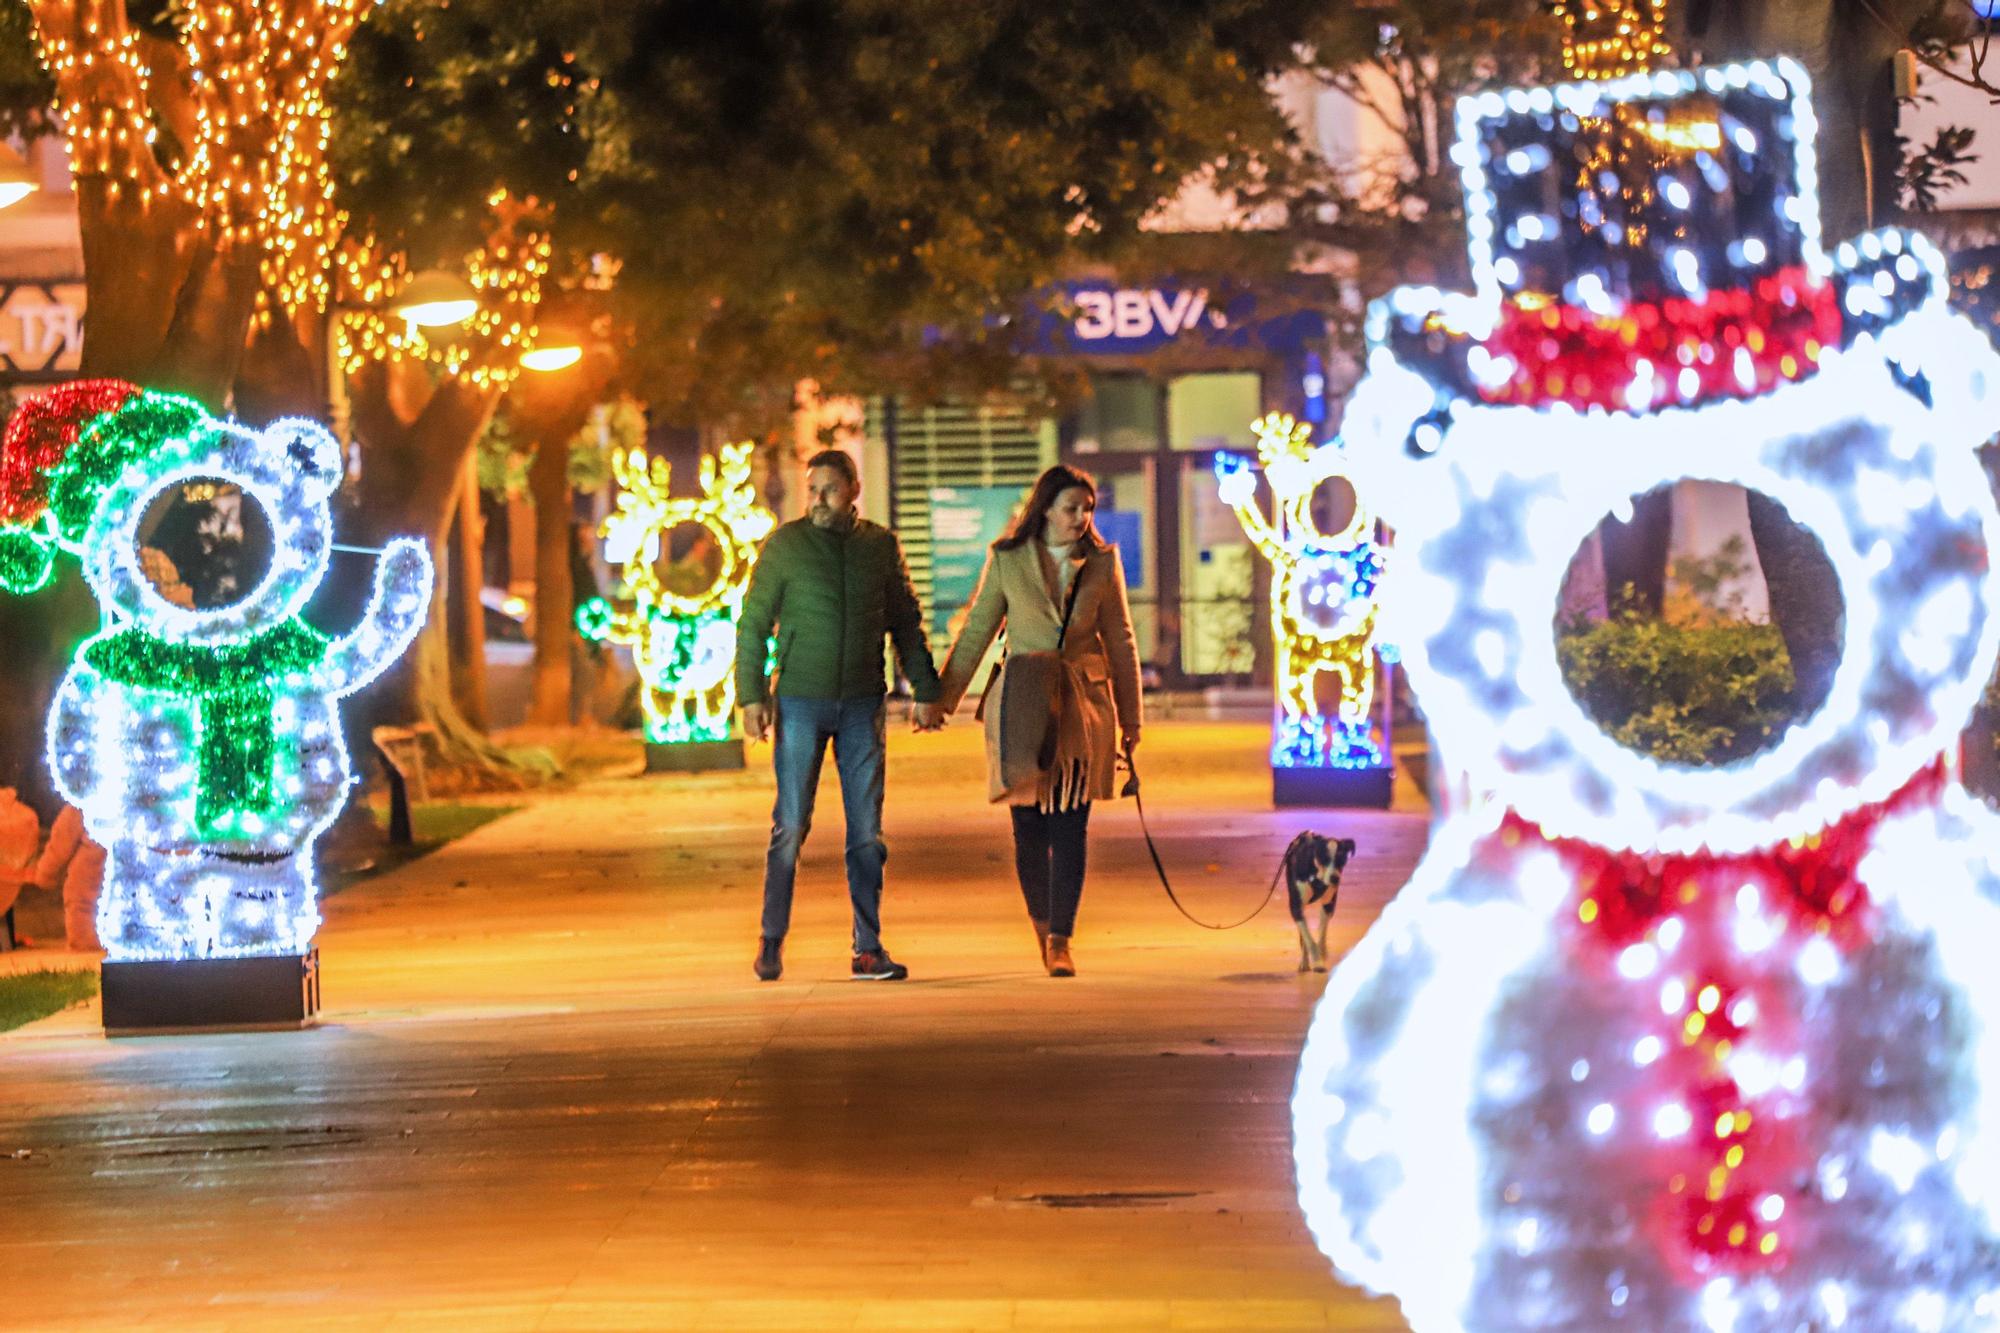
(927, 717)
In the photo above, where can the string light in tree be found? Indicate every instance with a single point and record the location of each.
(507, 274)
(198, 735)
(1642, 1045)
(1322, 595)
(251, 115)
(682, 638)
(1608, 39)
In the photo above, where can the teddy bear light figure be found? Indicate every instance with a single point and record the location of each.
(197, 731)
(1322, 595)
(1646, 1046)
(682, 636)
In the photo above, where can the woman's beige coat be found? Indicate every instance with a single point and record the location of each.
(1017, 590)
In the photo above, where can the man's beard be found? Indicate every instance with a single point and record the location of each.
(825, 516)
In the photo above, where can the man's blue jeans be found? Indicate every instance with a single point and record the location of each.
(802, 729)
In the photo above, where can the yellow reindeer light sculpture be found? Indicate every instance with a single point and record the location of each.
(682, 633)
(1322, 597)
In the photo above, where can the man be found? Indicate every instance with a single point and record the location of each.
(832, 584)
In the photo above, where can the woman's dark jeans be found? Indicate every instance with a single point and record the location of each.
(1048, 857)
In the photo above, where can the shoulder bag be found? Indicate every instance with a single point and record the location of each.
(1030, 688)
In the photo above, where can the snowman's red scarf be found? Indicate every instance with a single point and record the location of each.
(1718, 1175)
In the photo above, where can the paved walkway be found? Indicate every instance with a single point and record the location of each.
(548, 1094)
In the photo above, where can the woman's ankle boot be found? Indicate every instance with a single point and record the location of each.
(1041, 926)
(1056, 955)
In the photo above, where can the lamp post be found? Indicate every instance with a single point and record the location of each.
(434, 299)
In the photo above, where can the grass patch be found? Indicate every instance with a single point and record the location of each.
(435, 823)
(432, 825)
(27, 996)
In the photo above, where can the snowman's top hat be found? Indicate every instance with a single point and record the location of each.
(1648, 242)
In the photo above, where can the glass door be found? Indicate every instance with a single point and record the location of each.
(1219, 579)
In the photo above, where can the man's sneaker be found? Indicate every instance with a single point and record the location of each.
(877, 965)
(769, 964)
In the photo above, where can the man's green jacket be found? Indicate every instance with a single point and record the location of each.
(831, 596)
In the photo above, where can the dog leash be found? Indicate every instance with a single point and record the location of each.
(1132, 789)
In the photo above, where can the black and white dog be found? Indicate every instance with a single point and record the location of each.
(1312, 875)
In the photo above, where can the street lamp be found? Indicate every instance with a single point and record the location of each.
(17, 178)
(435, 298)
(557, 357)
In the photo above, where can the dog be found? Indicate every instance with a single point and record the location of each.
(1312, 873)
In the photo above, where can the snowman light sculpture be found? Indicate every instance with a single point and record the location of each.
(197, 733)
(1644, 1046)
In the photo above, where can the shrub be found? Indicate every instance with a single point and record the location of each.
(1707, 693)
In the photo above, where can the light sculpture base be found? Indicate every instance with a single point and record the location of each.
(695, 756)
(210, 994)
(1342, 788)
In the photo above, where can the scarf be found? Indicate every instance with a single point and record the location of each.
(1698, 936)
(230, 688)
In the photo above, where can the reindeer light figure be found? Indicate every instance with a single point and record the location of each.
(1322, 596)
(682, 638)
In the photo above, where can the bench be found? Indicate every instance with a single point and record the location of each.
(401, 751)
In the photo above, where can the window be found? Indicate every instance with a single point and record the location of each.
(1122, 416)
(1214, 411)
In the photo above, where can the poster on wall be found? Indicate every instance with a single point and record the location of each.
(965, 520)
(1122, 528)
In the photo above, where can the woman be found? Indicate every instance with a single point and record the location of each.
(1053, 560)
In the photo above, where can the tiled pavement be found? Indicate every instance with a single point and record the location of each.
(547, 1093)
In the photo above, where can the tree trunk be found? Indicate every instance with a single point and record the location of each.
(468, 610)
(1635, 554)
(1805, 599)
(414, 451)
(548, 483)
(168, 309)
(284, 372)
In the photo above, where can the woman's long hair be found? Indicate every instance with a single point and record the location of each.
(1035, 516)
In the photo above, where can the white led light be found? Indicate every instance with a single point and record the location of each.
(125, 755)
(1819, 963)
(1638, 961)
(1899, 1157)
(682, 640)
(1456, 1016)
(1323, 611)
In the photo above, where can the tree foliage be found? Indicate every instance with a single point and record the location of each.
(847, 190)
(1684, 694)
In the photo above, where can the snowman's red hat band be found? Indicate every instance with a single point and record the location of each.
(1732, 343)
(1645, 243)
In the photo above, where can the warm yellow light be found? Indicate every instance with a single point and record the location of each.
(17, 178)
(1322, 597)
(683, 642)
(551, 358)
(1691, 136)
(434, 299)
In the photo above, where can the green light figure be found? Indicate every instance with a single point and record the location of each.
(678, 617)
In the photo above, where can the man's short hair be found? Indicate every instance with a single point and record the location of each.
(838, 461)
